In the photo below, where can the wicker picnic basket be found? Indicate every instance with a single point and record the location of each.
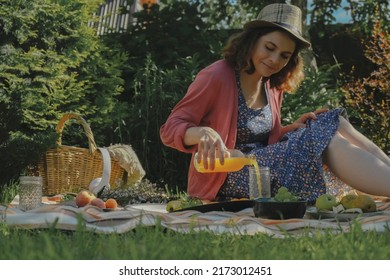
(69, 169)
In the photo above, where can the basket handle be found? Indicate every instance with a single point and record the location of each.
(87, 129)
(98, 185)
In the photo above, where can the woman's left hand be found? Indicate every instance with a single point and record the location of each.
(301, 121)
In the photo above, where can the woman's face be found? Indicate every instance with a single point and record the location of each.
(272, 52)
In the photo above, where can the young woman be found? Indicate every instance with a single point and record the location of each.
(233, 107)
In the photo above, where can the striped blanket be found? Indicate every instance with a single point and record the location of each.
(68, 217)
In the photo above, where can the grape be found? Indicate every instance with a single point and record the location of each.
(282, 190)
(283, 195)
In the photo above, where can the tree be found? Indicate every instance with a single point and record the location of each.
(51, 62)
(363, 14)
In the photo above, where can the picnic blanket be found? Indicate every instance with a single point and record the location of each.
(68, 217)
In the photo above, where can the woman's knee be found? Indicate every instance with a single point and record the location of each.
(337, 140)
(336, 145)
(344, 125)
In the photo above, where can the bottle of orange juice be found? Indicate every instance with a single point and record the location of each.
(231, 164)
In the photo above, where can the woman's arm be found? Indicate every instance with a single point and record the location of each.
(188, 115)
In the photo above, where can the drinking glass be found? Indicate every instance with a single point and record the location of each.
(30, 192)
(264, 188)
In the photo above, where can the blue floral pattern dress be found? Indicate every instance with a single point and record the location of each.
(295, 162)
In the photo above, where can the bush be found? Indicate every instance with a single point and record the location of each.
(156, 92)
(51, 63)
(369, 97)
(318, 90)
(163, 48)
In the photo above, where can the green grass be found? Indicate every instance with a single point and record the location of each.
(157, 243)
(8, 192)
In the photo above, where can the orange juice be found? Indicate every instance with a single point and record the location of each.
(258, 181)
(230, 165)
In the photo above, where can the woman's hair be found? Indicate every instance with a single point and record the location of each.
(238, 51)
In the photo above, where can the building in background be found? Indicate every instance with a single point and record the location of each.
(117, 15)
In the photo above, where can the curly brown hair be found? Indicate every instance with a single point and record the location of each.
(238, 49)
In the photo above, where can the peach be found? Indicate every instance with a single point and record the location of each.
(84, 197)
(111, 203)
(98, 203)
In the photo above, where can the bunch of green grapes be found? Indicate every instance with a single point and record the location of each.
(283, 195)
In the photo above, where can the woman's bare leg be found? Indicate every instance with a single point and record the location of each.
(357, 167)
(358, 139)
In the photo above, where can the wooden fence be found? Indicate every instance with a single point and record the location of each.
(115, 16)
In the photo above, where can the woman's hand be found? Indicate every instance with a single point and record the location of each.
(301, 121)
(211, 146)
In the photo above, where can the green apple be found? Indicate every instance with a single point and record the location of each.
(326, 202)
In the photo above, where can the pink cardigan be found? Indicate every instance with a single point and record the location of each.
(212, 100)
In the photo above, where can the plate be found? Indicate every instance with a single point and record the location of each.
(230, 206)
(313, 213)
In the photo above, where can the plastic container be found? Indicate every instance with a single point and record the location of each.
(269, 209)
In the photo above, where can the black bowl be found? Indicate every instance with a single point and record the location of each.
(271, 209)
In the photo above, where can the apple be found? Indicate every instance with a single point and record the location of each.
(326, 202)
(84, 197)
(98, 203)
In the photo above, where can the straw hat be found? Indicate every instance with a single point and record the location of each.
(285, 16)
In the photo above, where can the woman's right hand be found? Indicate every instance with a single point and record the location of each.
(211, 146)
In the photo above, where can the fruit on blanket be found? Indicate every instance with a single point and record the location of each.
(366, 203)
(348, 201)
(326, 202)
(362, 201)
(173, 205)
(84, 197)
(185, 201)
(98, 202)
(111, 203)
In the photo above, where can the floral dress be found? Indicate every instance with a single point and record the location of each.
(295, 162)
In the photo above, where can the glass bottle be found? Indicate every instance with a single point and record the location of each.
(231, 164)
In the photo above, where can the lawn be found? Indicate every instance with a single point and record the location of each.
(158, 243)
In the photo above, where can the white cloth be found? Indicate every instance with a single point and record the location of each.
(125, 219)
